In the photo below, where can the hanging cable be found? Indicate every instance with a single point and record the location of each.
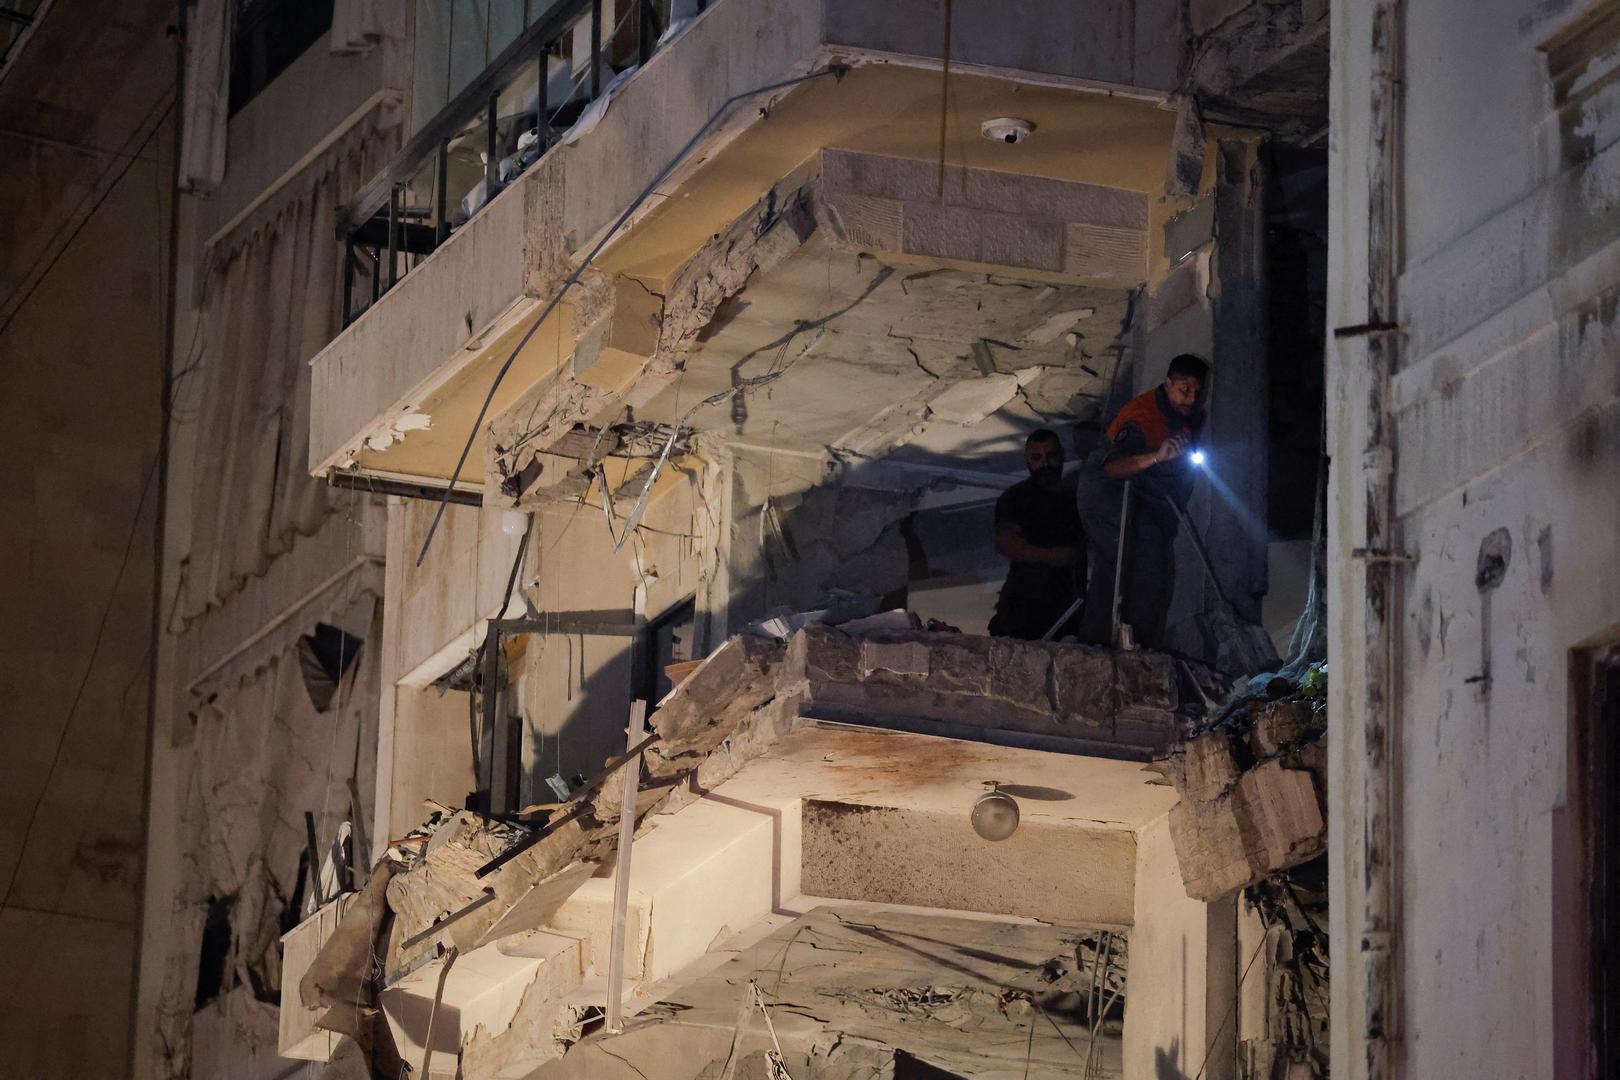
(838, 71)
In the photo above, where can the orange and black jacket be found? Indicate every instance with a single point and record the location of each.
(1142, 425)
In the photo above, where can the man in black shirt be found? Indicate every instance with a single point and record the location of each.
(1038, 528)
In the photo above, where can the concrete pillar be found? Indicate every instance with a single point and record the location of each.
(1236, 529)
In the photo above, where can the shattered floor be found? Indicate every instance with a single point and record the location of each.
(838, 991)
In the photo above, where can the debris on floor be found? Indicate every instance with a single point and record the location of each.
(1294, 909)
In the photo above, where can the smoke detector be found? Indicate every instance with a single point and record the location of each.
(1006, 129)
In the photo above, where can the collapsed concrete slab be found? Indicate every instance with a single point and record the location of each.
(1253, 792)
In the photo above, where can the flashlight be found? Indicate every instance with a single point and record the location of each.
(1197, 457)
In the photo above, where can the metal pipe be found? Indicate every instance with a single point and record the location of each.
(1119, 563)
(441, 229)
(393, 236)
(348, 280)
(1380, 595)
(621, 873)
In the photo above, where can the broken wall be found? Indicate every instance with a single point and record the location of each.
(1505, 413)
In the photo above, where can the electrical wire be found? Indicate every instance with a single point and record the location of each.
(89, 214)
(84, 680)
(836, 70)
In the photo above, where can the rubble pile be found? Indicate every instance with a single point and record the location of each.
(1253, 786)
(466, 886)
(1294, 909)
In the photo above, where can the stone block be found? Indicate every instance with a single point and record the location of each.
(1279, 725)
(1089, 204)
(1014, 240)
(1150, 731)
(983, 189)
(1270, 821)
(1284, 814)
(945, 232)
(907, 658)
(870, 222)
(1146, 681)
(699, 713)
(1208, 768)
(1209, 848)
(1083, 685)
(1020, 672)
(1101, 251)
(820, 655)
(960, 665)
(905, 179)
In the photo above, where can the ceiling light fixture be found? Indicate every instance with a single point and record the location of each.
(1006, 129)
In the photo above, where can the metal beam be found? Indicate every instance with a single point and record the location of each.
(21, 18)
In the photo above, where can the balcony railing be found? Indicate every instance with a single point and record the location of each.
(499, 125)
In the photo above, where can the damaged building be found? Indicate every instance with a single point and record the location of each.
(560, 446)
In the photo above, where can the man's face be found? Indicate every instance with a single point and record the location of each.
(1183, 390)
(1045, 461)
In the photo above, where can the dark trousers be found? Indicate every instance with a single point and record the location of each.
(1031, 620)
(1150, 566)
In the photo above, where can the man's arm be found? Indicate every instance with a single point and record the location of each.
(1126, 466)
(1010, 544)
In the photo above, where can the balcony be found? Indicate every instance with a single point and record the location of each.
(698, 280)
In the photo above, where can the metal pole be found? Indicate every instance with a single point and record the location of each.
(348, 279)
(442, 210)
(621, 873)
(1119, 561)
(541, 128)
(393, 236)
(491, 685)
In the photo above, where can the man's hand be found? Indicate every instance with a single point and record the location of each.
(1126, 467)
(1170, 449)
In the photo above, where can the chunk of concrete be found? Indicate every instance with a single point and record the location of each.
(1280, 725)
(697, 715)
(907, 658)
(1020, 672)
(1271, 820)
(1083, 686)
(1207, 768)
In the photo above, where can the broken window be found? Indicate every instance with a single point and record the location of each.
(213, 964)
(266, 37)
(669, 639)
(325, 657)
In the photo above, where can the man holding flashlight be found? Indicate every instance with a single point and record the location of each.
(1152, 448)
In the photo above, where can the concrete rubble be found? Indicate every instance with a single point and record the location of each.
(1253, 789)
(833, 994)
(466, 898)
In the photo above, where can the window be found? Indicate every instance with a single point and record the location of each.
(666, 640)
(266, 37)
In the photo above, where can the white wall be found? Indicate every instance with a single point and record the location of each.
(1179, 1020)
(1507, 411)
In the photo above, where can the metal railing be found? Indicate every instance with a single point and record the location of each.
(492, 131)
